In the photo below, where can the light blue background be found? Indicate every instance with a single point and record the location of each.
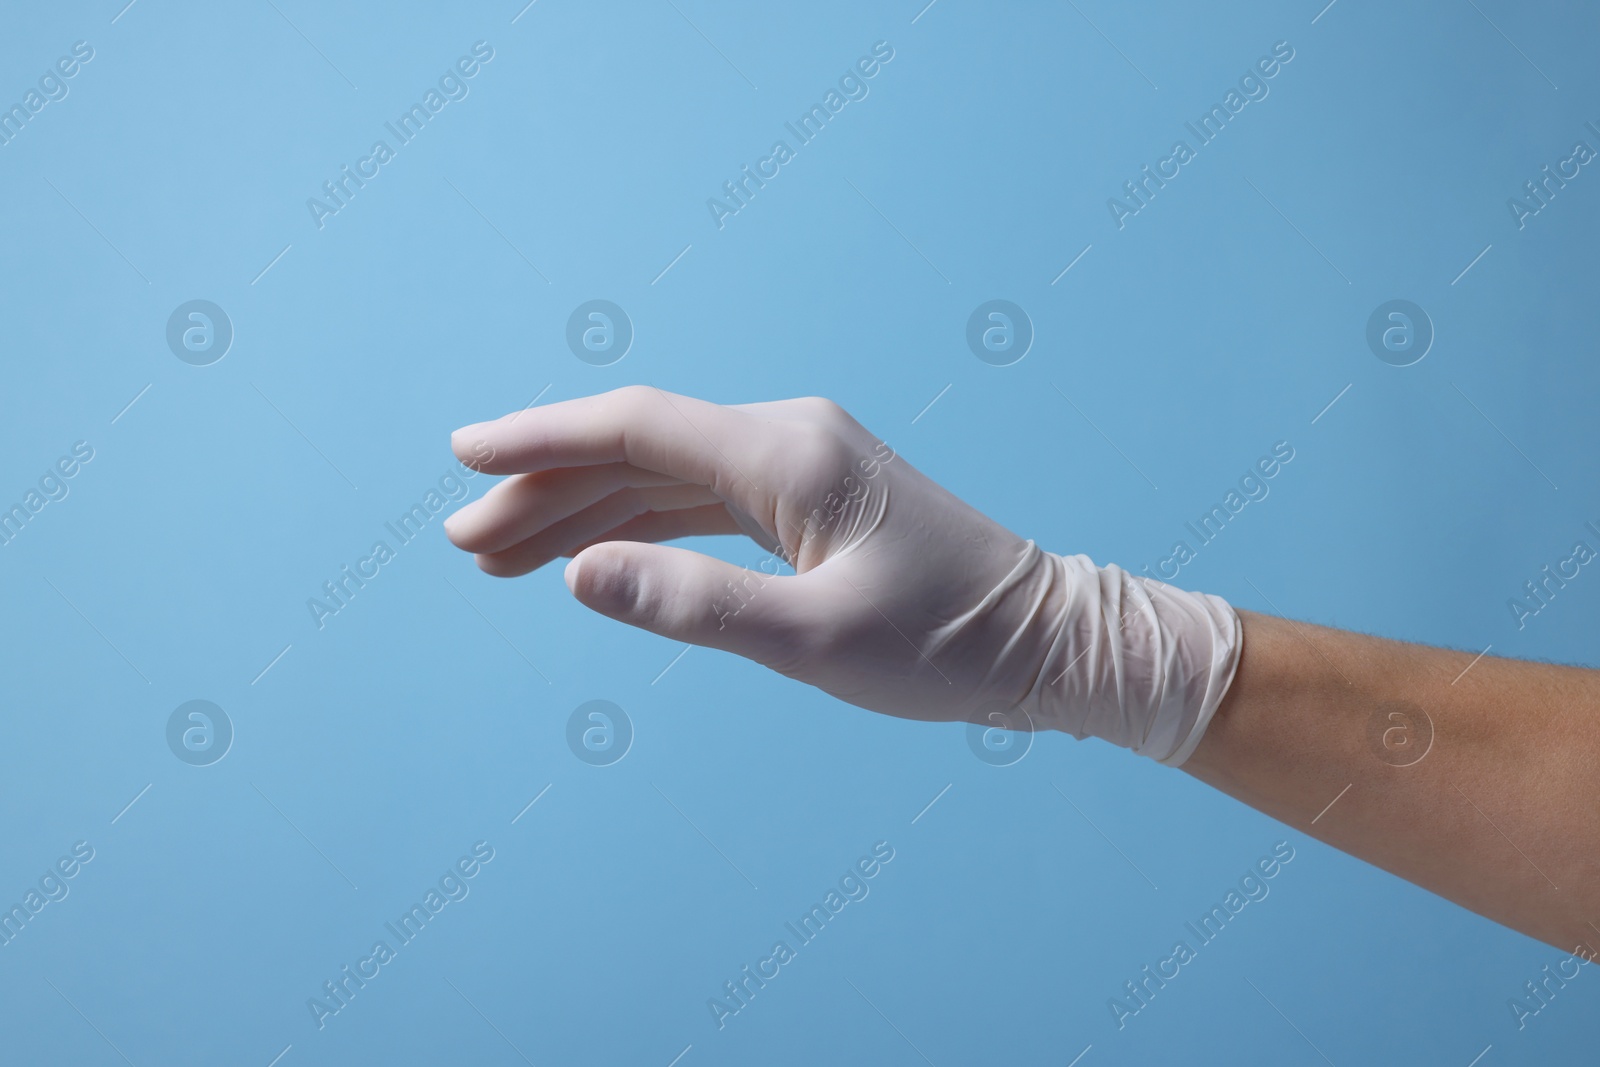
(424, 718)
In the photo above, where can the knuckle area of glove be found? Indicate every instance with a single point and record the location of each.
(820, 461)
(821, 410)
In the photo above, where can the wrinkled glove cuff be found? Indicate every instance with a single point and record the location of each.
(1130, 660)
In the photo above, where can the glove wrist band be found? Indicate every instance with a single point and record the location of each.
(1128, 659)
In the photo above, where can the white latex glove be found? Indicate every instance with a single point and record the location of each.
(905, 600)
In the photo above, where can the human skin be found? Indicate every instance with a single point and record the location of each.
(1499, 813)
(1472, 777)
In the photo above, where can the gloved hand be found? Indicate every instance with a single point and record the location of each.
(904, 599)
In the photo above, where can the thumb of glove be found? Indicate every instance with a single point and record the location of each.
(690, 597)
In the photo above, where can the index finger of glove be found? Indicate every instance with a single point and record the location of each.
(693, 440)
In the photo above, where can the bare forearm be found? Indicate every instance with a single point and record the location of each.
(1483, 787)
